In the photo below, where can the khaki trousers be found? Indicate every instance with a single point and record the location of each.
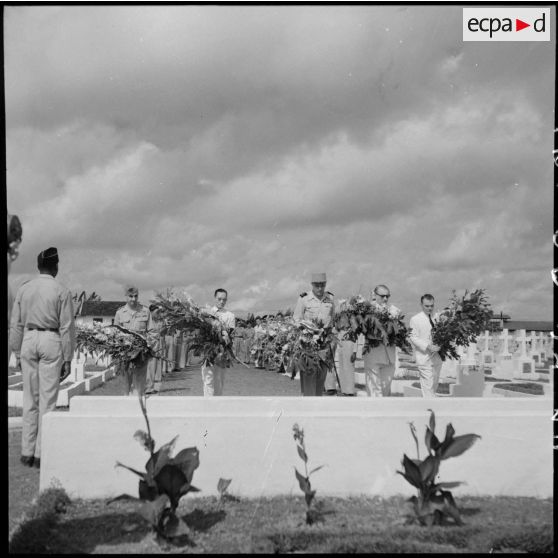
(41, 363)
(378, 377)
(346, 370)
(213, 378)
(154, 374)
(135, 379)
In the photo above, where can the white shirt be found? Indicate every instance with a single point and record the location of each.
(226, 317)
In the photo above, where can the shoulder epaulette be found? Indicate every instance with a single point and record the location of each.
(303, 294)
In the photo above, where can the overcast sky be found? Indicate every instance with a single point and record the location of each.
(246, 147)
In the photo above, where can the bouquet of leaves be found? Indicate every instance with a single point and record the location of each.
(309, 347)
(378, 324)
(461, 322)
(277, 341)
(210, 338)
(122, 346)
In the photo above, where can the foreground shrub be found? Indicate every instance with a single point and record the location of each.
(36, 535)
(434, 502)
(165, 481)
(52, 501)
(313, 514)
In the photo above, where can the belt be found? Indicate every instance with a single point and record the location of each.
(33, 328)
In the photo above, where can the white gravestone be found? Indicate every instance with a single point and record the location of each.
(76, 369)
(486, 354)
(534, 348)
(523, 365)
(504, 363)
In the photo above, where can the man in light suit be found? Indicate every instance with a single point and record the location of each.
(426, 353)
(379, 361)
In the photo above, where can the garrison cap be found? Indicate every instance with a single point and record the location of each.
(48, 257)
(130, 289)
(318, 278)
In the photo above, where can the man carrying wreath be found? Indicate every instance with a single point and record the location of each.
(426, 353)
(379, 358)
(137, 318)
(213, 374)
(317, 305)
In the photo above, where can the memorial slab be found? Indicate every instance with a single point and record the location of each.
(360, 441)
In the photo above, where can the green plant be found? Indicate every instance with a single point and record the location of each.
(222, 487)
(53, 500)
(165, 480)
(434, 501)
(313, 514)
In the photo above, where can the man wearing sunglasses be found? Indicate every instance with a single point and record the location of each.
(379, 360)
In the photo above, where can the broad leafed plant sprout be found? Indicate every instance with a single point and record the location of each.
(165, 480)
(434, 501)
(313, 514)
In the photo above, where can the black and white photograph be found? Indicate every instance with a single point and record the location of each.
(280, 277)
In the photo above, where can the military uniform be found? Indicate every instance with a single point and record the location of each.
(310, 307)
(138, 321)
(42, 329)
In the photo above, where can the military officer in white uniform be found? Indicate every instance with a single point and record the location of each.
(137, 318)
(42, 329)
(318, 304)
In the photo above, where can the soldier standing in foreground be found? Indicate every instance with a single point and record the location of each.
(42, 329)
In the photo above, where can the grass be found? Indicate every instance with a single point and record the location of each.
(443, 387)
(276, 525)
(524, 387)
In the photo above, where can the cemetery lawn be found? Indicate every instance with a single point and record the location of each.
(276, 525)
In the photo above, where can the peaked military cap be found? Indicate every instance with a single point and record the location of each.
(48, 257)
(318, 278)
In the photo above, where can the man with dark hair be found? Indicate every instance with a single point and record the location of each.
(428, 360)
(137, 318)
(213, 374)
(42, 329)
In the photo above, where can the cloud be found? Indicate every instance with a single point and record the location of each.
(246, 147)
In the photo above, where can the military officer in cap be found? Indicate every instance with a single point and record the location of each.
(318, 304)
(42, 329)
(137, 318)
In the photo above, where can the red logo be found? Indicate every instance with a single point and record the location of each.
(519, 25)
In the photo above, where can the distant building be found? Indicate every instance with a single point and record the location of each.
(503, 321)
(98, 311)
